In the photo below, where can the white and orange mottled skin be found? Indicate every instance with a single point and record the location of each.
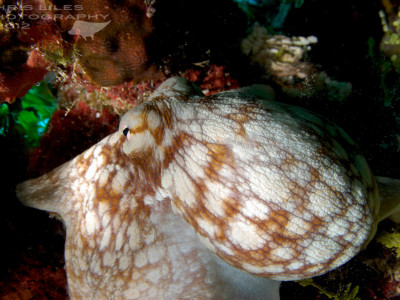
(205, 197)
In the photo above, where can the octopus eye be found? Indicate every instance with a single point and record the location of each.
(126, 131)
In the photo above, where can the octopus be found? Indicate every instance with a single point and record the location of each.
(209, 197)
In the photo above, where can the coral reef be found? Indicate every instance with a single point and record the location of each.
(212, 79)
(17, 80)
(28, 282)
(25, 36)
(284, 60)
(57, 31)
(120, 98)
(282, 57)
(68, 40)
(390, 43)
(115, 53)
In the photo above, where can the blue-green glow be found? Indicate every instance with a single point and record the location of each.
(31, 117)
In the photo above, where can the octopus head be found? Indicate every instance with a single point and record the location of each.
(140, 126)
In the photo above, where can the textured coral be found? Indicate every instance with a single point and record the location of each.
(211, 80)
(390, 44)
(120, 98)
(284, 60)
(116, 53)
(282, 57)
(28, 282)
(17, 81)
(20, 66)
(112, 56)
(117, 99)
